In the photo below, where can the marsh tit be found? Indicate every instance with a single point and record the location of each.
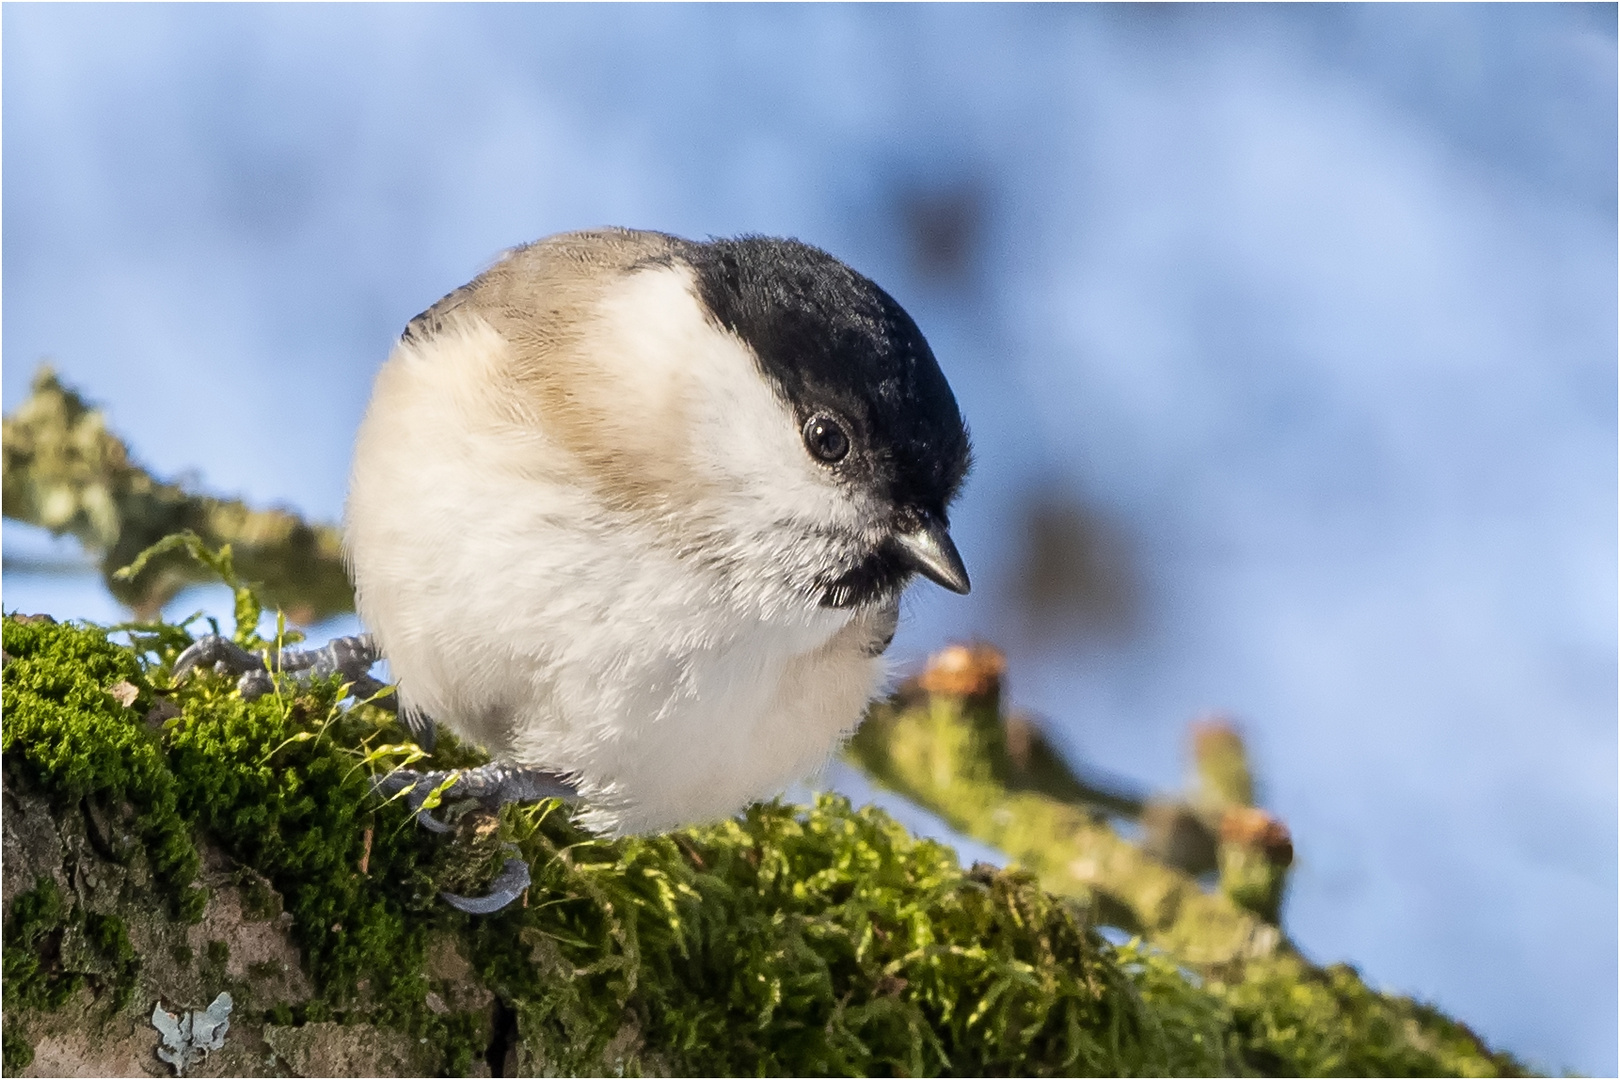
(635, 513)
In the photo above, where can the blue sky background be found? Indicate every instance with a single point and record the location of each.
(1315, 307)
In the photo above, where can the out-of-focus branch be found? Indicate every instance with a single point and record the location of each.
(66, 472)
(1254, 849)
(944, 743)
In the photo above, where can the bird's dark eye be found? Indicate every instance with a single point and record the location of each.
(825, 439)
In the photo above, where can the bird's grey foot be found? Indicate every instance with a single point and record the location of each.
(492, 786)
(351, 657)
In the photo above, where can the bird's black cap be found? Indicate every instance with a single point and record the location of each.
(831, 341)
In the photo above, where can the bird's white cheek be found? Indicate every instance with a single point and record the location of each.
(750, 437)
(742, 449)
(743, 432)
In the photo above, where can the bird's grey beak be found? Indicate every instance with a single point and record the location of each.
(930, 552)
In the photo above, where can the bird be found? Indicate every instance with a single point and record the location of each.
(635, 514)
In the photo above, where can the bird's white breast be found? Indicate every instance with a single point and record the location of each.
(584, 566)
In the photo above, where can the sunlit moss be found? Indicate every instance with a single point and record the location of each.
(797, 940)
(68, 732)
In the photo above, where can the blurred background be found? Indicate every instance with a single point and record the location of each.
(1287, 336)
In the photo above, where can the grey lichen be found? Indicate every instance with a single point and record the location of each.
(191, 1035)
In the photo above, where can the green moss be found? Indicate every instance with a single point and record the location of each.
(1290, 1020)
(807, 940)
(312, 1012)
(109, 936)
(74, 739)
(800, 940)
(33, 978)
(462, 1037)
(16, 1053)
(260, 903)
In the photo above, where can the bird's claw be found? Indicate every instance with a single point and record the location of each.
(212, 650)
(507, 887)
(228, 658)
(492, 785)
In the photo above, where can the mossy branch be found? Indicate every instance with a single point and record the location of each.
(791, 940)
(943, 743)
(64, 471)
